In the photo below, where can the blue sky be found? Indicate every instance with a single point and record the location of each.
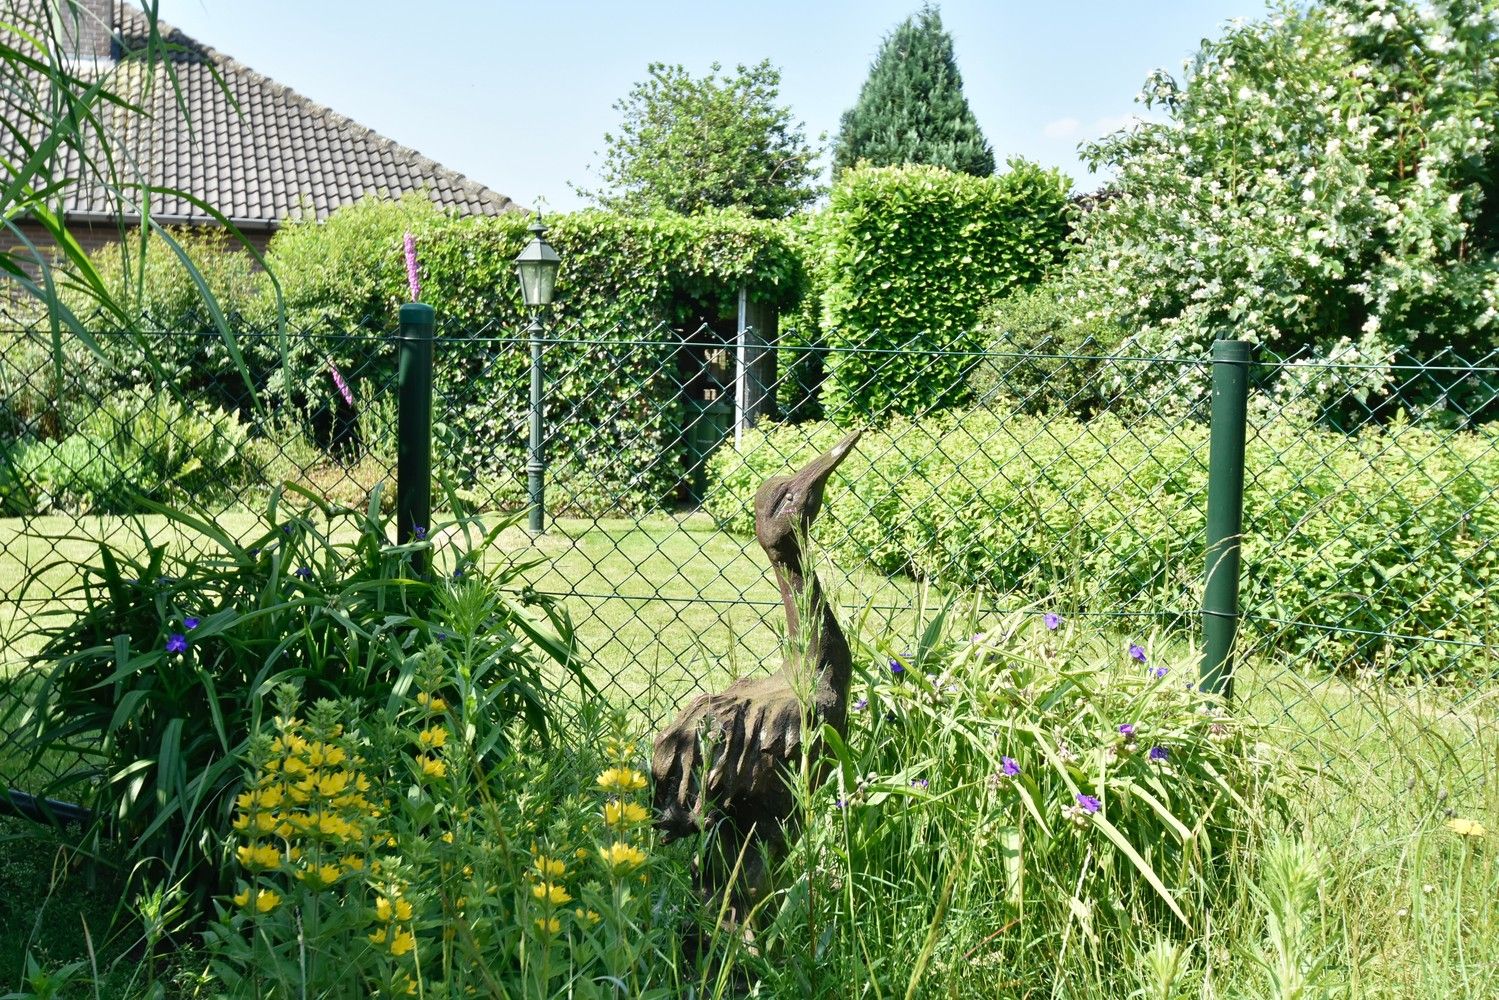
(519, 95)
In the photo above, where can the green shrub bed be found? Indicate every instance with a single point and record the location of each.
(1389, 530)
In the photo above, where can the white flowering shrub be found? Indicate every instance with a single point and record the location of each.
(1325, 184)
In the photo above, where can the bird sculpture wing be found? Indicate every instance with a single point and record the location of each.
(725, 757)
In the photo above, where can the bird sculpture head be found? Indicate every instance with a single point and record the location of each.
(786, 505)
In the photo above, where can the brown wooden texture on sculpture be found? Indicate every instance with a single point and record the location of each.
(723, 765)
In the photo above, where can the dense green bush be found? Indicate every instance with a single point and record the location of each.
(136, 443)
(1385, 530)
(1043, 353)
(910, 257)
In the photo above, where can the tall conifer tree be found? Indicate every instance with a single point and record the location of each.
(912, 108)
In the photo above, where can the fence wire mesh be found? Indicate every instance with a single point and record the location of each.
(1044, 483)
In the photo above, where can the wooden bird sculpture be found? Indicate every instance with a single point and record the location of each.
(724, 764)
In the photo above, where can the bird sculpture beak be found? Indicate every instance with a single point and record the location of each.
(814, 475)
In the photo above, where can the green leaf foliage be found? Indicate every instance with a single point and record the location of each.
(158, 679)
(691, 145)
(628, 286)
(1323, 182)
(911, 257)
(1386, 530)
(912, 109)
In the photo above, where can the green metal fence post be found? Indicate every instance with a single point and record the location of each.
(1220, 599)
(536, 463)
(414, 426)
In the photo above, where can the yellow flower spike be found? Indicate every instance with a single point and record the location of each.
(403, 910)
(1466, 827)
(242, 898)
(447, 838)
(468, 871)
(258, 855)
(403, 942)
(353, 862)
(549, 867)
(267, 900)
(320, 876)
(551, 893)
(284, 830)
(411, 984)
(433, 767)
(621, 856)
(621, 779)
(334, 756)
(548, 925)
(617, 813)
(581, 854)
(377, 937)
(383, 911)
(433, 737)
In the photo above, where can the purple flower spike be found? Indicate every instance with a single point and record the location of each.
(1159, 672)
(190, 623)
(1088, 803)
(1136, 651)
(340, 384)
(1127, 729)
(1053, 620)
(861, 704)
(1158, 753)
(1009, 767)
(412, 277)
(176, 643)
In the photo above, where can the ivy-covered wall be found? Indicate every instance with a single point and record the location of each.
(628, 285)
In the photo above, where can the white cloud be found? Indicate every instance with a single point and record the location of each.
(1062, 128)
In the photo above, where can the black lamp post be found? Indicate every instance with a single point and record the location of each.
(537, 266)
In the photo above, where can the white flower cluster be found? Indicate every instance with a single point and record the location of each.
(1316, 188)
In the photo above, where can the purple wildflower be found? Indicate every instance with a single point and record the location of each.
(420, 533)
(458, 573)
(302, 572)
(919, 783)
(338, 381)
(1136, 651)
(1053, 620)
(190, 623)
(1159, 672)
(839, 803)
(1009, 767)
(1127, 729)
(1088, 803)
(412, 277)
(896, 666)
(861, 704)
(442, 637)
(176, 643)
(1158, 753)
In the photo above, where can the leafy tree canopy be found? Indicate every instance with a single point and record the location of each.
(1325, 183)
(690, 145)
(912, 108)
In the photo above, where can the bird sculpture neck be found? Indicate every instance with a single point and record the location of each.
(824, 648)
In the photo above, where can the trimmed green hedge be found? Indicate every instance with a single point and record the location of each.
(910, 257)
(1388, 530)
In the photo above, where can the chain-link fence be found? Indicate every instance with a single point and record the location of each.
(1073, 485)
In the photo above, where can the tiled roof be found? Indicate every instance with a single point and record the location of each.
(255, 150)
